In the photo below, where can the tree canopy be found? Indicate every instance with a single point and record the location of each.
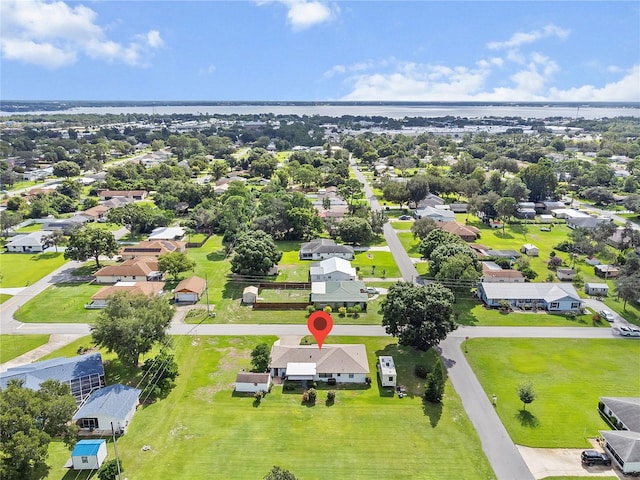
(420, 316)
(29, 420)
(255, 254)
(91, 242)
(355, 230)
(174, 263)
(131, 325)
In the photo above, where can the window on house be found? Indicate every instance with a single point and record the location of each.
(391, 379)
(351, 375)
(555, 304)
(85, 460)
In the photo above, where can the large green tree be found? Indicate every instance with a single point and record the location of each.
(132, 324)
(434, 239)
(174, 263)
(540, 179)
(28, 421)
(91, 242)
(420, 316)
(255, 254)
(355, 230)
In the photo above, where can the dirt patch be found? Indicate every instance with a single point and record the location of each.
(561, 462)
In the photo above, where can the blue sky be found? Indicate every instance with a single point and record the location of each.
(320, 50)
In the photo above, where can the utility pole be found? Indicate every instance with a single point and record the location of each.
(206, 288)
(115, 448)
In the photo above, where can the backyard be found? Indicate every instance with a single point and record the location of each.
(568, 375)
(204, 430)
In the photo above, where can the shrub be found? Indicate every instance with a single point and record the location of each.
(342, 311)
(327, 309)
(258, 396)
(331, 396)
(311, 309)
(305, 397)
(421, 371)
(289, 387)
(554, 262)
(312, 395)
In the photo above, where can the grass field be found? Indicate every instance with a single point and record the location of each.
(568, 375)
(12, 346)
(19, 268)
(61, 303)
(34, 227)
(4, 297)
(203, 430)
(373, 264)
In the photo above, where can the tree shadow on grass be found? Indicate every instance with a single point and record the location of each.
(433, 411)
(527, 419)
(233, 289)
(216, 256)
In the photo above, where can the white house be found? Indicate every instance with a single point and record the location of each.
(339, 294)
(387, 371)
(253, 382)
(89, 454)
(624, 449)
(167, 233)
(530, 250)
(28, 243)
(343, 363)
(189, 290)
(113, 405)
(332, 269)
(250, 294)
(555, 297)
(600, 289)
(322, 248)
(437, 214)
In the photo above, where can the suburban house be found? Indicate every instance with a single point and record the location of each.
(83, 374)
(116, 202)
(250, 294)
(106, 407)
(548, 206)
(134, 270)
(339, 294)
(189, 290)
(95, 214)
(437, 214)
(606, 271)
(101, 297)
(253, 382)
(459, 207)
(153, 248)
(332, 269)
(343, 363)
(465, 232)
(387, 371)
(483, 251)
(132, 194)
(554, 297)
(568, 213)
(526, 210)
(167, 233)
(586, 222)
(622, 443)
(88, 454)
(322, 248)
(565, 273)
(27, 243)
(430, 200)
(530, 250)
(70, 223)
(599, 289)
(492, 272)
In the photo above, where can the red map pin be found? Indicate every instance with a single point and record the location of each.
(320, 324)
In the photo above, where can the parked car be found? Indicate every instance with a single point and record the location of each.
(629, 331)
(607, 315)
(372, 291)
(593, 457)
(404, 217)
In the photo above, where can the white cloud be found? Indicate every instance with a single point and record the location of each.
(303, 14)
(54, 34)
(627, 89)
(522, 38)
(209, 70)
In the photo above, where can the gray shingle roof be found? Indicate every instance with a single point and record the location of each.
(550, 292)
(114, 401)
(626, 444)
(329, 359)
(627, 409)
(347, 291)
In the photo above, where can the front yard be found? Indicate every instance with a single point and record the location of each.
(21, 269)
(60, 303)
(12, 346)
(204, 430)
(568, 375)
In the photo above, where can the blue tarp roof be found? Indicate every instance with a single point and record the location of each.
(113, 401)
(62, 369)
(86, 448)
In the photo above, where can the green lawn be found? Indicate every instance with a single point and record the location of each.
(61, 303)
(34, 227)
(203, 430)
(402, 225)
(20, 269)
(472, 312)
(12, 346)
(409, 243)
(376, 265)
(569, 375)
(4, 297)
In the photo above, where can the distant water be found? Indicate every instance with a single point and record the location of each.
(390, 111)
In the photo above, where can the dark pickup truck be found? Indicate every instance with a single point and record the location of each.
(592, 457)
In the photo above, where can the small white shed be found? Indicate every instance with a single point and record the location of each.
(530, 250)
(600, 289)
(387, 371)
(253, 382)
(250, 295)
(89, 454)
(546, 218)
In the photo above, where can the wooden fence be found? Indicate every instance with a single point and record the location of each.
(281, 305)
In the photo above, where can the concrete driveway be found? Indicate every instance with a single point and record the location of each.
(561, 462)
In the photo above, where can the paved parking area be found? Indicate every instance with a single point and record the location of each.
(562, 462)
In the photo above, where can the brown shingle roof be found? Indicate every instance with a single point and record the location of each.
(192, 284)
(154, 247)
(248, 377)
(134, 267)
